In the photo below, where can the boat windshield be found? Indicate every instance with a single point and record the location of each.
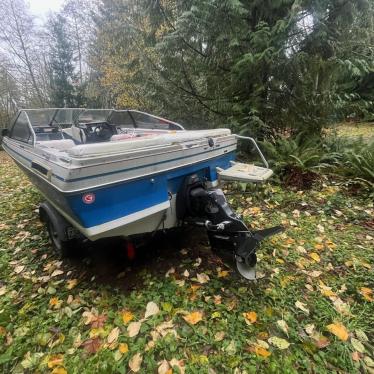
(50, 117)
(94, 115)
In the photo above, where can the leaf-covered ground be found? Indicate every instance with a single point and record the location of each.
(181, 310)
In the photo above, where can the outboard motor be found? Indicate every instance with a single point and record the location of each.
(229, 237)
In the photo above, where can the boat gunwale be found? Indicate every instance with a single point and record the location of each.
(91, 188)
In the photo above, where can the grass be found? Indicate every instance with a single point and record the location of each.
(365, 130)
(77, 316)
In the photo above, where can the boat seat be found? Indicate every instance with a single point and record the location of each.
(78, 135)
(61, 145)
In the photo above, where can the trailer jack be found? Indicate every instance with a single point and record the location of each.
(228, 235)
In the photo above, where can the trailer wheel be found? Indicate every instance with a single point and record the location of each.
(64, 248)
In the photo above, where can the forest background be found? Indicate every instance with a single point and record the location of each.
(262, 67)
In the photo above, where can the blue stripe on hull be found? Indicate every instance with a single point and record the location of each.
(120, 200)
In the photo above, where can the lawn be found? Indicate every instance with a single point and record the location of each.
(178, 308)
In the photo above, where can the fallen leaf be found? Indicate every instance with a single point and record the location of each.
(186, 273)
(163, 367)
(361, 336)
(283, 326)
(202, 278)
(57, 272)
(59, 370)
(367, 293)
(302, 306)
(123, 348)
(55, 303)
(127, 316)
(55, 360)
(357, 345)
(320, 341)
(135, 362)
(340, 306)
(262, 343)
(71, 283)
(117, 355)
(369, 362)
(338, 330)
(279, 342)
(259, 351)
(193, 318)
(170, 271)
(180, 282)
(92, 345)
(151, 309)
(179, 364)
(198, 262)
(98, 321)
(309, 328)
(19, 269)
(133, 329)
(113, 335)
(250, 317)
(219, 336)
(223, 273)
(315, 256)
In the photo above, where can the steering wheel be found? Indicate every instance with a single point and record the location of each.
(103, 132)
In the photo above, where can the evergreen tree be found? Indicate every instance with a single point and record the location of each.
(63, 77)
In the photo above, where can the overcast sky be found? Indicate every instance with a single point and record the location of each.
(42, 7)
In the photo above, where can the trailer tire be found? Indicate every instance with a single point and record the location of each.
(63, 248)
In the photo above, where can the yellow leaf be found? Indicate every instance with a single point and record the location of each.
(338, 330)
(260, 351)
(315, 256)
(55, 303)
(223, 274)
(127, 316)
(367, 293)
(71, 283)
(250, 317)
(123, 348)
(193, 318)
(319, 247)
(95, 332)
(55, 360)
(59, 370)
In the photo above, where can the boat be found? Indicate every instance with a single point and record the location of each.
(122, 173)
